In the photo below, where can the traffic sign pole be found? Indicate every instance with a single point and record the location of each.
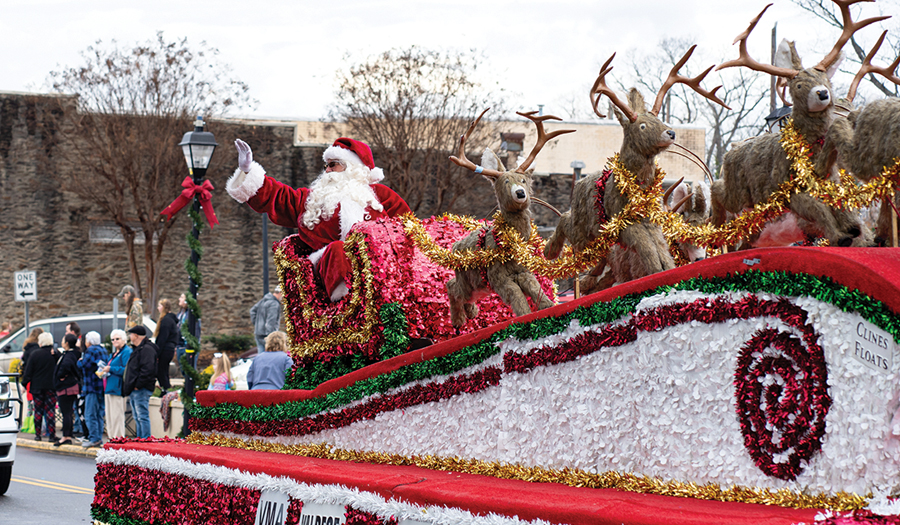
(25, 290)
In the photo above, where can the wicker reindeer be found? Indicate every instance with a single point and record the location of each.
(754, 169)
(868, 140)
(644, 249)
(510, 280)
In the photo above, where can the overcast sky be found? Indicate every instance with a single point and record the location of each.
(287, 51)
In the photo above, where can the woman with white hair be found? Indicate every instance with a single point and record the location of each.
(114, 372)
(94, 359)
(39, 380)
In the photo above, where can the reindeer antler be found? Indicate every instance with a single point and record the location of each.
(748, 62)
(694, 83)
(600, 88)
(543, 137)
(464, 162)
(850, 27)
(668, 193)
(889, 72)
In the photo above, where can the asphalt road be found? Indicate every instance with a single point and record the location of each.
(48, 488)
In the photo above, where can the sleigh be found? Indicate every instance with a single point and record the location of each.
(397, 299)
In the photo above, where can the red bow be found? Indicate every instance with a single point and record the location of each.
(203, 193)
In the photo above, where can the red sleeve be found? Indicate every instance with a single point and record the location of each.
(283, 203)
(394, 204)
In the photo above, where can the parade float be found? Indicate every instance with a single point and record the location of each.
(752, 387)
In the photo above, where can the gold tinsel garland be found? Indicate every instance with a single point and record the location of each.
(361, 284)
(645, 204)
(841, 501)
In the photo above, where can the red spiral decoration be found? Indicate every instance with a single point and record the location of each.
(782, 400)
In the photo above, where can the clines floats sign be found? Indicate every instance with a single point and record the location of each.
(872, 346)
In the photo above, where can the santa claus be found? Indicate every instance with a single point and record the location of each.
(343, 195)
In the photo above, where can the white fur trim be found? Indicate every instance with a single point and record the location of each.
(241, 186)
(375, 175)
(351, 213)
(344, 155)
(316, 256)
(340, 291)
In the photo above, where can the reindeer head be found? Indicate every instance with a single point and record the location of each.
(513, 187)
(810, 89)
(692, 203)
(645, 135)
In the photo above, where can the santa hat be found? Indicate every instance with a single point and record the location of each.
(356, 153)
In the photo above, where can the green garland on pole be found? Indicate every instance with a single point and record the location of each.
(201, 381)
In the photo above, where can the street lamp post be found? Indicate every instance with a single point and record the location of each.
(198, 147)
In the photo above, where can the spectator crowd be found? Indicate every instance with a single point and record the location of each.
(93, 384)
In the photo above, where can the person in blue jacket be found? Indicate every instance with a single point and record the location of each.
(94, 356)
(115, 371)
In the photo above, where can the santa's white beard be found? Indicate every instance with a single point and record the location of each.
(332, 188)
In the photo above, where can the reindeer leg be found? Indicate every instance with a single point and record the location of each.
(838, 142)
(529, 284)
(457, 302)
(503, 282)
(816, 219)
(651, 248)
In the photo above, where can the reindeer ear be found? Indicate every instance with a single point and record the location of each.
(623, 120)
(702, 197)
(679, 193)
(832, 69)
(636, 101)
(492, 180)
(489, 160)
(786, 56)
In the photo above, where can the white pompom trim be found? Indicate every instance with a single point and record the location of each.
(242, 186)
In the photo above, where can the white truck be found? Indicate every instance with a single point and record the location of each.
(10, 420)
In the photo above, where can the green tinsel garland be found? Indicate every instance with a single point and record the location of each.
(395, 331)
(111, 518)
(191, 342)
(781, 283)
(396, 341)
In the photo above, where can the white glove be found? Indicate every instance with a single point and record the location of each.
(245, 156)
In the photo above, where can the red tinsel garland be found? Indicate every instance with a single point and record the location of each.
(793, 402)
(159, 497)
(602, 218)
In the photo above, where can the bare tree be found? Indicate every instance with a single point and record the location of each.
(120, 147)
(411, 105)
(827, 11)
(745, 93)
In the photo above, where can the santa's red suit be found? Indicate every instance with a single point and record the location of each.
(323, 213)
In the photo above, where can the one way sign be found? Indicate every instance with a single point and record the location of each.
(26, 286)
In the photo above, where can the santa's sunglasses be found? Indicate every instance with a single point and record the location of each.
(334, 164)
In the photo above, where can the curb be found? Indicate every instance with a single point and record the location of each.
(65, 450)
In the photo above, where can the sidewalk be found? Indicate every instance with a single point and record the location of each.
(27, 441)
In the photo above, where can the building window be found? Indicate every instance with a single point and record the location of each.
(112, 234)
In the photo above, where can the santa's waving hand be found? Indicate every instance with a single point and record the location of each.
(345, 193)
